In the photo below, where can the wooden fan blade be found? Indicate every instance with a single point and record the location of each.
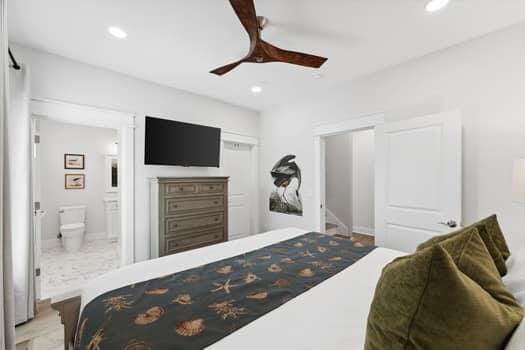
(245, 10)
(299, 58)
(225, 69)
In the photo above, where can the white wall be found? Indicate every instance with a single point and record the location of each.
(58, 78)
(56, 139)
(484, 78)
(363, 181)
(339, 177)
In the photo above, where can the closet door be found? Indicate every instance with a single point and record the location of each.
(237, 165)
(418, 180)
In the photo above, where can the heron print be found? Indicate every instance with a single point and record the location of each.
(286, 198)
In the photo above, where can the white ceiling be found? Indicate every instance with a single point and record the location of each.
(176, 42)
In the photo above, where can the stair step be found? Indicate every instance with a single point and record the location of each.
(330, 226)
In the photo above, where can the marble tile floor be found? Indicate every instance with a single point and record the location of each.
(63, 272)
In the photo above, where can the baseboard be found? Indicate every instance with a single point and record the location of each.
(96, 236)
(364, 230)
(50, 243)
(57, 243)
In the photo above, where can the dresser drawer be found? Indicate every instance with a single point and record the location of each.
(180, 189)
(211, 188)
(178, 244)
(178, 205)
(178, 224)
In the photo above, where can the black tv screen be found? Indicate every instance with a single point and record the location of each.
(170, 142)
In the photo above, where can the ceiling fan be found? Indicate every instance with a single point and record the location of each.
(260, 50)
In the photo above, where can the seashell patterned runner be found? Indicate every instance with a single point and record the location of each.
(195, 308)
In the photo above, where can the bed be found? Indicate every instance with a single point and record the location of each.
(331, 315)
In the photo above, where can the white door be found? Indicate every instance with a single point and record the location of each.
(238, 166)
(418, 180)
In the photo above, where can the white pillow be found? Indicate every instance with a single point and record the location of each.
(515, 282)
(515, 277)
(517, 342)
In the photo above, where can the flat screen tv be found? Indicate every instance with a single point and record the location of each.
(171, 142)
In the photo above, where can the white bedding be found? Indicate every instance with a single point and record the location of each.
(331, 315)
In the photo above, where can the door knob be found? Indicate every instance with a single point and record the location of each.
(450, 223)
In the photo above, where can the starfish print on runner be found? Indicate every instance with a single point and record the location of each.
(223, 286)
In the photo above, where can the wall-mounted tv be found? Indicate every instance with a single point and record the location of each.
(171, 142)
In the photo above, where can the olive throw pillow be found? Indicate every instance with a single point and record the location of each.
(497, 235)
(472, 257)
(489, 237)
(429, 300)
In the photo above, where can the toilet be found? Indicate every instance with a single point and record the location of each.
(72, 226)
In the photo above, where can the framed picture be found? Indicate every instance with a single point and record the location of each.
(73, 161)
(111, 169)
(75, 181)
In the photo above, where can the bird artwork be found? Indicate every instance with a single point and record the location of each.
(285, 198)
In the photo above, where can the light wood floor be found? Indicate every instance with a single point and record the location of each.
(45, 332)
(363, 240)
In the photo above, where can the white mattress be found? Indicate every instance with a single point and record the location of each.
(331, 315)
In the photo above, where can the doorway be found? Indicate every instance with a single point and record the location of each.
(76, 186)
(83, 194)
(342, 133)
(349, 174)
(417, 176)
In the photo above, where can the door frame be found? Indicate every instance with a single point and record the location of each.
(320, 134)
(253, 143)
(124, 124)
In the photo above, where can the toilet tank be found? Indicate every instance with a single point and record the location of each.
(72, 214)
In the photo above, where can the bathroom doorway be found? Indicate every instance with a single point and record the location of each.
(81, 218)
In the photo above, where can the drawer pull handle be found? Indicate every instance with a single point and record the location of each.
(175, 206)
(216, 202)
(211, 187)
(176, 225)
(216, 219)
(181, 188)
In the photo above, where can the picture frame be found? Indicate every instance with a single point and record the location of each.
(75, 181)
(74, 161)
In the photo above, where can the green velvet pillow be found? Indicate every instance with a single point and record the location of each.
(497, 235)
(485, 236)
(447, 296)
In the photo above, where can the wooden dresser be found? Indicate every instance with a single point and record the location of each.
(187, 213)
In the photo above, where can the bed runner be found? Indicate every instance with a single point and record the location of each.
(196, 308)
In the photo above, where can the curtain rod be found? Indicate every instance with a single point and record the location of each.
(13, 60)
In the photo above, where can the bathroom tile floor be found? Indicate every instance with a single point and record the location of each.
(63, 272)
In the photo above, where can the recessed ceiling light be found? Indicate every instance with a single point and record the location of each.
(256, 89)
(436, 5)
(317, 75)
(117, 32)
